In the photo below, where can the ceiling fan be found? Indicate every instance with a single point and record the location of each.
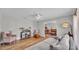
(35, 15)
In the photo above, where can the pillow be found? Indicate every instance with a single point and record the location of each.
(65, 42)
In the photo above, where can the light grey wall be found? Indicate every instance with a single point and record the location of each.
(78, 33)
(0, 20)
(10, 23)
(58, 25)
(76, 28)
(12, 19)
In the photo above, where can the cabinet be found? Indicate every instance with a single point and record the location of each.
(25, 34)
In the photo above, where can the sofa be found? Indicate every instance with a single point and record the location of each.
(53, 44)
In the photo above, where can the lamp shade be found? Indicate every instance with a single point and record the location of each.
(65, 24)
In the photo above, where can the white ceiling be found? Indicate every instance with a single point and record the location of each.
(46, 13)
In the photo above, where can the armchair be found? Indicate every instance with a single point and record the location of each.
(8, 38)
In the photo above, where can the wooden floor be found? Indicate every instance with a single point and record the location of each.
(21, 44)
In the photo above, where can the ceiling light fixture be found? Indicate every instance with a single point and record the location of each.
(38, 16)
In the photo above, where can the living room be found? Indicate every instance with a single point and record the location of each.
(25, 27)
